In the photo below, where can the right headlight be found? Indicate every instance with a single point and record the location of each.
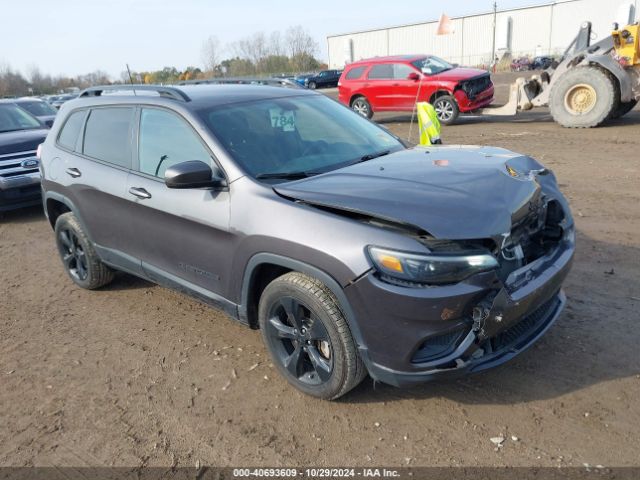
(429, 269)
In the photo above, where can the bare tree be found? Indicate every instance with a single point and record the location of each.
(211, 51)
(40, 83)
(94, 78)
(12, 82)
(276, 47)
(254, 48)
(302, 48)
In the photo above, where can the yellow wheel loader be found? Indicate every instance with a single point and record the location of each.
(590, 84)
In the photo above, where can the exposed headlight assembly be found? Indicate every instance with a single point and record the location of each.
(429, 269)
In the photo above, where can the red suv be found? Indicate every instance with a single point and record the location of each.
(397, 83)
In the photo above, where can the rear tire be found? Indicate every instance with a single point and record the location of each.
(362, 106)
(79, 258)
(308, 338)
(583, 97)
(447, 109)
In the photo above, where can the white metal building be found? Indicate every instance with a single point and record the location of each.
(536, 30)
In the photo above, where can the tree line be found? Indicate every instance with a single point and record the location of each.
(260, 54)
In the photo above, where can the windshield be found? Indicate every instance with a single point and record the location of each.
(432, 65)
(14, 118)
(38, 109)
(290, 136)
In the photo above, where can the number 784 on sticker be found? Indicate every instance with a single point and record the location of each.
(284, 119)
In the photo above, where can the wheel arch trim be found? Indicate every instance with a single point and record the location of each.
(298, 266)
(440, 92)
(70, 205)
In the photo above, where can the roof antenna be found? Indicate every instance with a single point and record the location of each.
(130, 79)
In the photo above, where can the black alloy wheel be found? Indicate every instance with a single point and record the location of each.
(308, 336)
(79, 258)
(73, 254)
(300, 341)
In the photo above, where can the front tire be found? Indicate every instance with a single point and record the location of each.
(79, 258)
(362, 106)
(583, 97)
(308, 338)
(312, 85)
(446, 109)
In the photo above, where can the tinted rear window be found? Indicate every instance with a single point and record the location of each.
(354, 73)
(38, 108)
(68, 137)
(107, 135)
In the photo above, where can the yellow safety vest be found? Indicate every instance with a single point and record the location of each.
(428, 123)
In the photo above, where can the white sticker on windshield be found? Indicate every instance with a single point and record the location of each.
(284, 119)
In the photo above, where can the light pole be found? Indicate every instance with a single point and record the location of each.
(493, 44)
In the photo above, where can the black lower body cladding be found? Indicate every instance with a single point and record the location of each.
(414, 335)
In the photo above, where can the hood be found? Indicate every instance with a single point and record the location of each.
(458, 73)
(450, 192)
(22, 140)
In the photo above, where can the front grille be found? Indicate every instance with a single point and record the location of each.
(436, 347)
(476, 85)
(527, 326)
(11, 164)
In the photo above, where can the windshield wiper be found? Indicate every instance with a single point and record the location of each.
(371, 156)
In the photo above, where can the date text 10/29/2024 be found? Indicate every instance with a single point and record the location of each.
(316, 472)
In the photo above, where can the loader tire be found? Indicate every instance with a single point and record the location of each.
(623, 109)
(583, 97)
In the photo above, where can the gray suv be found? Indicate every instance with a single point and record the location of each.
(352, 253)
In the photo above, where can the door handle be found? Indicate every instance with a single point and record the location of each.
(139, 192)
(73, 172)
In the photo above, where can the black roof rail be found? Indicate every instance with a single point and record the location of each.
(168, 92)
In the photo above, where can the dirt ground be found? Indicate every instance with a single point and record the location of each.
(135, 374)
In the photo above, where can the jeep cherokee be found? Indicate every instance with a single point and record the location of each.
(352, 253)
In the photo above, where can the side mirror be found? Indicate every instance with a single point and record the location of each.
(192, 174)
(413, 76)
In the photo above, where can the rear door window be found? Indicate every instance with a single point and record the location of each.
(381, 72)
(165, 140)
(107, 135)
(355, 73)
(70, 132)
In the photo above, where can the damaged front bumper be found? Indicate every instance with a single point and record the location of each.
(417, 335)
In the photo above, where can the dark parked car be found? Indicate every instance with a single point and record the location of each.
(541, 63)
(62, 99)
(521, 64)
(20, 135)
(300, 79)
(38, 108)
(50, 98)
(350, 252)
(324, 79)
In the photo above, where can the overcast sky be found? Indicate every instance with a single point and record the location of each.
(79, 36)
